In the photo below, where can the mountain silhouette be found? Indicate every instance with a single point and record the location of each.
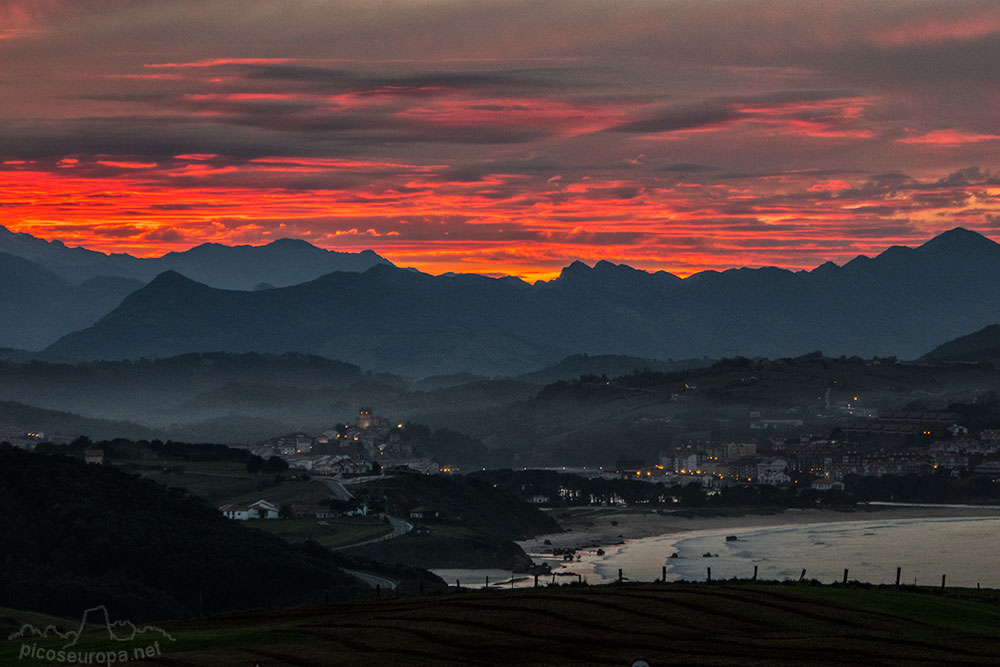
(900, 303)
(982, 345)
(282, 262)
(39, 306)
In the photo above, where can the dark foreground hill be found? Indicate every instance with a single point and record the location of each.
(779, 625)
(900, 303)
(74, 535)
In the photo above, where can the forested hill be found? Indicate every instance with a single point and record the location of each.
(74, 535)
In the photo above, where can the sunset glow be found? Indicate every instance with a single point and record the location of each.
(500, 138)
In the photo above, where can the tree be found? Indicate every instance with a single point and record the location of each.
(275, 464)
(255, 464)
(692, 495)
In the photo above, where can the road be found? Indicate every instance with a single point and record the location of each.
(372, 580)
(399, 527)
(336, 488)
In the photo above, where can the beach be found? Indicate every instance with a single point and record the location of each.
(782, 542)
(604, 526)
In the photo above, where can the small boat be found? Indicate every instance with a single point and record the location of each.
(731, 538)
(674, 555)
(600, 552)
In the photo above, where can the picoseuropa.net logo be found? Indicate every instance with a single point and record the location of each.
(97, 641)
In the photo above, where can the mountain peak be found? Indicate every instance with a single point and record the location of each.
(170, 278)
(577, 268)
(959, 240)
(291, 243)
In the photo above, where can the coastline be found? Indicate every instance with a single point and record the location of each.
(607, 526)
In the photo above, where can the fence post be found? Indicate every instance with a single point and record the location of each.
(755, 573)
(664, 579)
(378, 591)
(619, 575)
(458, 584)
(536, 581)
(802, 576)
(898, 571)
(709, 580)
(942, 580)
(487, 582)
(845, 575)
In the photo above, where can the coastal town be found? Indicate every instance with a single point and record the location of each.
(370, 445)
(776, 453)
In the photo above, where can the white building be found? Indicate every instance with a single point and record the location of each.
(258, 510)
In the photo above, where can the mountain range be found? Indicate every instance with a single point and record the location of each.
(39, 306)
(79, 304)
(279, 263)
(901, 303)
(48, 289)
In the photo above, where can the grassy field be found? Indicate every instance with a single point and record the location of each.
(221, 482)
(289, 491)
(336, 532)
(672, 624)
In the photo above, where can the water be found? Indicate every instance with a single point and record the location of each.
(477, 578)
(962, 548)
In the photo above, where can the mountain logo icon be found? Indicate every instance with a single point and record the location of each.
(95, 617)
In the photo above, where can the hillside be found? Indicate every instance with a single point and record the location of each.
(222, 397)
(73, 533)
(40, 306)
(899, 303)
(980, 346)
(25, 417)
(475, 526)
(588, 420)
(778, 625)
(592, 421)
(608, 365)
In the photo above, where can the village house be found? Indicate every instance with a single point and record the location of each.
(258, 510)
(827, 484)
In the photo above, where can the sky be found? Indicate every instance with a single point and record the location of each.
(503, 137)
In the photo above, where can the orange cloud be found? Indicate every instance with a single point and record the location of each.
(949, 138)
(496, 224)
(829, 186)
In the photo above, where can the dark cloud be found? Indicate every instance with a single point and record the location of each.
(342, 80)
(970, 176)
(687, 118)
(165, 235)
(686, 167)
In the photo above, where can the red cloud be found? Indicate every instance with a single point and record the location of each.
(949, 138)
